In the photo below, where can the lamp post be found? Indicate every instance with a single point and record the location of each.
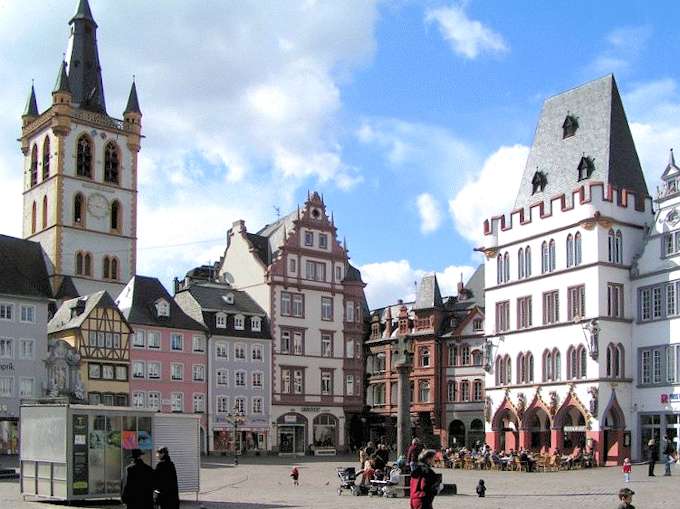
(236, 417)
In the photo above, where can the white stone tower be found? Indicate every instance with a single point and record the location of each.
(80, 173)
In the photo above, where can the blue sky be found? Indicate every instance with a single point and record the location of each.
(413, 118)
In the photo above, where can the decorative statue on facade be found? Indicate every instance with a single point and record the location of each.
(521, 404)
(487, 409)
(593, 391)
(63, 366)
(488, 352)
(593, 329)
(554, 402)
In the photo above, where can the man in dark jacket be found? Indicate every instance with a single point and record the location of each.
(653, 456)
(165, 481)
(138, 488)
(424, 482)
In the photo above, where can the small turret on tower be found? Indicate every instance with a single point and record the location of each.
(61, 102)
(31, 110)
(133, 119)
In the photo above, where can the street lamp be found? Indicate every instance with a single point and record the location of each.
(236, 416)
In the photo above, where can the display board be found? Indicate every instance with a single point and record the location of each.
(43, 433)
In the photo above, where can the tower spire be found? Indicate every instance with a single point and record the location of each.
(31, 109)
(84, 70)
(133, 102)
(62, 84)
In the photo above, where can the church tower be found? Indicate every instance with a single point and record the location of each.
(80, 173)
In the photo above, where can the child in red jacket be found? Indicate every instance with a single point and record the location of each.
(295, 475)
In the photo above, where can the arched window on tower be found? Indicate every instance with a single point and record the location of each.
(520, 263)
(582, 371)
(477, 390)
(618, 247)
(521, 369)
(529, 360)
(570, 250)
(84, 157)
(465, 390)
(34, 165)
(547, 366)
(572, 363)
(79, 210)
(115, 216)
(44, 212)
(46, 158)
(106, 267)
(527, 261)
(499, 268)
(508, 369)
(544, 258)
(33, 217)
(551, 255)
(577, 248)
(610, 246)
(111, 163)
(79, 263)
(506, 268)
(87, 264)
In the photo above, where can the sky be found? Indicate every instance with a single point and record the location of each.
(414, 119)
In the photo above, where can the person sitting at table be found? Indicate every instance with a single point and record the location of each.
(367, 473)
(526, 459)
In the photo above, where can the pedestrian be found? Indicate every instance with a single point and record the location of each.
(481, 489)
(165, 481)
(626, 498)
(653, 456)
(668, 453)
(413, 452)
(425, 483)
(138, 483)
(295, 475)
(627, 468)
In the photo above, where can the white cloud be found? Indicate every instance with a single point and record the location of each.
(490, 192)
(467, 37)
(388, 281)
(622, 49)
(430, 213)
(242, 105)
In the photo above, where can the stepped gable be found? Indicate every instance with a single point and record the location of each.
(582, 136)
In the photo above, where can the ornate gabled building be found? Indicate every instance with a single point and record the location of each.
(446, 340)
(80, 173)
(299, 273)
(558, 289)
(88, 352)
(655, 289)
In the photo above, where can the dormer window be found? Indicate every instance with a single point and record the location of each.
(323, 241)
(255, 324)
(569, 126)
(228, 298)
(585, 168)
(238, 322)
(538, 182)
(221, 321)
(162, 308)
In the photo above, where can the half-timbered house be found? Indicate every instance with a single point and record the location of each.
(89, 357)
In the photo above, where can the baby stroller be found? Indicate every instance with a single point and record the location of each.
(348, 476)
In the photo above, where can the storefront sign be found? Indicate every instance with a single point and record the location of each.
(290, 419)
(670, 398)
(571, 429)
(7, 366)
(80, 460)
(310, 408)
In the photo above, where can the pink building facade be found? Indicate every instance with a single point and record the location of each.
(168, 352)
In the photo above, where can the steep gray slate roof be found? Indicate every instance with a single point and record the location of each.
(67, 289)
(261, 245)
(603, 134)
(145, 292)
(475, 287)
(273, 233)
(63, 319)
(428, 295)
(352, 273)
(210, 298)
(22, 268)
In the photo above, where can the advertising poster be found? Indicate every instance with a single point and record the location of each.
(144, 441)
(130, 440)
(80, 455)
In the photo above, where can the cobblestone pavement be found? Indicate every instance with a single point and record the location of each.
(263, 483)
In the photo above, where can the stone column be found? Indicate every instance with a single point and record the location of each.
(404, 409)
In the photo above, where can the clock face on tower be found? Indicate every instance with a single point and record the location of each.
(98, 205)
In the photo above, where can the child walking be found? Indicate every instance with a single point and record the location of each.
(627, 468)
(295, 475)
(481, 489)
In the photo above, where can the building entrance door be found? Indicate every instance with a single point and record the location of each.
(292, 440)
